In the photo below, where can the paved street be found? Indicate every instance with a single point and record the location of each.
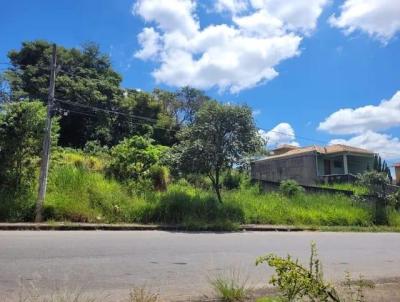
(177, 264)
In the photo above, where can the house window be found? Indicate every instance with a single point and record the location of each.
(337, 164)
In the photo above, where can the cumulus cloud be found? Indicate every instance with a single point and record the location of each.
(353, 121)
(234, 56)
(281, 134)
(233, 6)
(149, 39)
(378, 18)
(386, 145)
(296, 15)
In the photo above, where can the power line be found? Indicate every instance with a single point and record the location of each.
(149, 119)
(108, 111)
(112, 112)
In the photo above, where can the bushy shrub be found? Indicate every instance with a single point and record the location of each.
(290, 188)
(95, 148)
(17, 206)
(21, 135)
(301, 283)
(133, 158)
(376, 182)
(232, 180)
(159, 176)
(199, 181)
(394, 200)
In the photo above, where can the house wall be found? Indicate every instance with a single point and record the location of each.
(300, 168)
(335, 169)
(355, 164)
(359, 164)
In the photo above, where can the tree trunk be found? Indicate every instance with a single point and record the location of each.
(217, 186)
(215, 182)
(217, 190)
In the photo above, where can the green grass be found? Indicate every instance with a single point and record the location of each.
(394, 219)
(302, 209)
(79, 191)
(357, 189)
(230, 288)
(80, 195)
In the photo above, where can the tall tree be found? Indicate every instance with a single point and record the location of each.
(220, 137)
(190, 100)
(85, 78)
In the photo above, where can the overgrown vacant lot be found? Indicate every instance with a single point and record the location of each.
(80, 191)
(77, 194)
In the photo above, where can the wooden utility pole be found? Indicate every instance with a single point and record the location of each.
(44, 168)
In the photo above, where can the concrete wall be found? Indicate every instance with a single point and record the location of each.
(336, 164)
(359, 164)
(356, 164)
(301, 168)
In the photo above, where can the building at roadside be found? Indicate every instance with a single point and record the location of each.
(314, 164)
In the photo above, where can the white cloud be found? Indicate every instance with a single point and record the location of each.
(233, 6)
(386, 145)
(281, 134)
(149, 39)
(297, 15)
(378, 18)
(170, 16)
(354, 121)
(232, 56)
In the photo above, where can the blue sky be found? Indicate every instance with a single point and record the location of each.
(303, 64)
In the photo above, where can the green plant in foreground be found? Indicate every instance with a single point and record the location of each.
(297, 282)
(290, 188)
(141, 294)
(230, 288)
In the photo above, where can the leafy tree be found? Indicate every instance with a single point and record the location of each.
(220, 136)
(5, 96)
(85, 77)
(133, 158)
(190, 101)
(21, 134)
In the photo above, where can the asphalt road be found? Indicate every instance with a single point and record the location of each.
(104, 263)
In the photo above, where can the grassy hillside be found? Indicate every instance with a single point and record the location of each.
(80, 191)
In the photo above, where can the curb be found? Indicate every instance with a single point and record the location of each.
(134, 227)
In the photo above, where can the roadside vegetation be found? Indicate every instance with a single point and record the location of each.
(126, 156)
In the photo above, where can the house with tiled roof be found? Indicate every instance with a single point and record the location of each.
(313, 164)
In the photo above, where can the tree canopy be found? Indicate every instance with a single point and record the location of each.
(219, 138)
(90, 100)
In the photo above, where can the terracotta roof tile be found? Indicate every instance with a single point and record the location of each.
(332, 149)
